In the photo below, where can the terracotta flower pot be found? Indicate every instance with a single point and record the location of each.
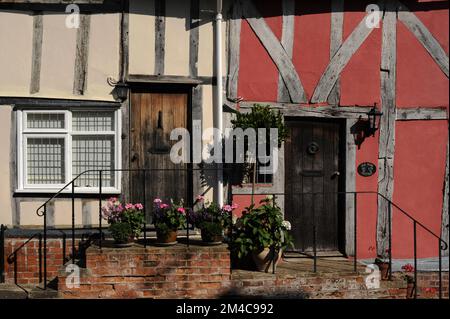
(168, 238)
(384, 270)
(209, 238)
(263, 259)
(124, 243)
(411, 286)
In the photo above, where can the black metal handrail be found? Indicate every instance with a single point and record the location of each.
(442, 244)
(42, 211)
(12, 258)
(2, 253)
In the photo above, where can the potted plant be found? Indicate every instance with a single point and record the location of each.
(125, 220)
(260, 117)
(168, 218)
(212, 220)
(382, 261)
(263, 233)
(408, 269)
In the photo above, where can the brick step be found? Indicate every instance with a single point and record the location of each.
(11, 291)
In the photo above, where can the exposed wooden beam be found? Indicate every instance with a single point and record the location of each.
(290, 109)
(124, 40)
(350, 186)
(387, 124)
(424, 36)
(337, 26)
(287, 41)
(36, 56)
(421, 113)
(445, 203)
(160, 35)
(163, 79)
(340, 60)
(275, 50)
(81, 56)
(194, 37)
(234, 43)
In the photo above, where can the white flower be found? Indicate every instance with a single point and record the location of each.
(286, 225)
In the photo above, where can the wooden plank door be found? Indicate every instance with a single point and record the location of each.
(152, 118)
(312, 166)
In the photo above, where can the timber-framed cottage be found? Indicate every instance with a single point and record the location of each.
(100, 84)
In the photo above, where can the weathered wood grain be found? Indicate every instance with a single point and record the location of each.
(287, 41)
(290, 109)
(421, 32)
(387, 124)
(194, 37)
(276, 51)
(36, 55)
(337, 26)
(445, 203)
(234, 42)
(81, 55)
(124, 43)
(340, 60)
(421, 113)
(350, 186)
(160, 35)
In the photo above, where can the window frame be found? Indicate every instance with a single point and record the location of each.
(23, 133)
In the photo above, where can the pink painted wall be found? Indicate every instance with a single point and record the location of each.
(420, 145)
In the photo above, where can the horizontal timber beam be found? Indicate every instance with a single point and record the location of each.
(421, 113)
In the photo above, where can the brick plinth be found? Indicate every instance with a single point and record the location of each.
(152, 272)
(28, 268)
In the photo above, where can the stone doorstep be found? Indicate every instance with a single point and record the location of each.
(11, 291)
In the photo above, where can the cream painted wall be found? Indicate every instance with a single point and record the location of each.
(104, 50)
(5, 182)
(63, 212)
(58, 56)
(28, 216)
(176, 60)
(142, 37)
(16, 33)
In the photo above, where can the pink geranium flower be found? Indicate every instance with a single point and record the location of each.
(227, 208)
(163, 206)
(157, 201)
(129, 206)
(181, 210)
(139, 206)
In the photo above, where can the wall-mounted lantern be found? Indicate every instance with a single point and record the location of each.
(373, 123)
(121, 90)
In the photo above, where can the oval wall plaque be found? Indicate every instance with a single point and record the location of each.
(366, 169)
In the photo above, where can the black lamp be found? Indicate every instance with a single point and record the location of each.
(374, 120)
(121, 89)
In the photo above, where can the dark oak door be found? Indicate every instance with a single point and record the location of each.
(312, 175)
(152, 118)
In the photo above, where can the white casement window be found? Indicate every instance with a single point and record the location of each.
(55, 146)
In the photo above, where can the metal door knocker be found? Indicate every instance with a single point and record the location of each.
(313, 148)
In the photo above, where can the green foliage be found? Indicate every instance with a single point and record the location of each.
(262, 117)
(168, 217)
(212, 228)
(259, 228)
(135, 219)
(122, 232)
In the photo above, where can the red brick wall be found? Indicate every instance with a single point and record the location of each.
(197, 272)
(28, 259)
(166, 272)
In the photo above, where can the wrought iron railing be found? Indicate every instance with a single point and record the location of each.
(42, 211)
